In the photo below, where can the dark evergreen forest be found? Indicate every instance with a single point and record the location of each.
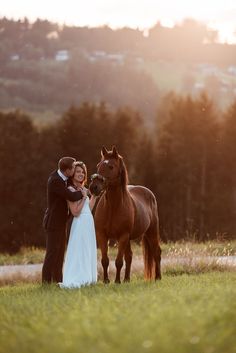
(188, 162)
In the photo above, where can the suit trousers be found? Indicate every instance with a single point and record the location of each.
(54, 257)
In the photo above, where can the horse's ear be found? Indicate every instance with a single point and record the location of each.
(114, 152)
(104, 152)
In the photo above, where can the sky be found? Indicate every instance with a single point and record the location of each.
(142, 14)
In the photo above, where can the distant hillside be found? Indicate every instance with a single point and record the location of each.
(45, 68)
(193, 78)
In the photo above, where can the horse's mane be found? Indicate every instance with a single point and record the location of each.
(124, 174)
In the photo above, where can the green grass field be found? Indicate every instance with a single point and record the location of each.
(184, 314)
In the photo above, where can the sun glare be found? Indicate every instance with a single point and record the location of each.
(226, 32)
(142, 14)
(166, 22)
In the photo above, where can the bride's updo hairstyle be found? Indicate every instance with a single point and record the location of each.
(82, 166)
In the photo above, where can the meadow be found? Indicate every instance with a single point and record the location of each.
(177, 258)
(185, 313)
(179, 249)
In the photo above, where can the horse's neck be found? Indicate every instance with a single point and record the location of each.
(116, 194)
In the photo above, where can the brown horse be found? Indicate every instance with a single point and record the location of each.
(126, 213)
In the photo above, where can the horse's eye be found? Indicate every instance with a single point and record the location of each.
(111, 167)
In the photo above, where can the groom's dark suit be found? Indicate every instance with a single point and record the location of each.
(54, 223)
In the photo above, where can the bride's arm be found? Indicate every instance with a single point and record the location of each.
(76, 207)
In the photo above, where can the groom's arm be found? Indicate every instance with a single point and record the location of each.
(61, 189)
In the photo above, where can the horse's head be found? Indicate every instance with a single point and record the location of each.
(112, 167)
(97, 184)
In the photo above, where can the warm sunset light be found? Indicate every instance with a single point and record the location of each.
(220, 15)
(117, 178)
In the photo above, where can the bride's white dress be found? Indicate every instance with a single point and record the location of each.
(80, 265)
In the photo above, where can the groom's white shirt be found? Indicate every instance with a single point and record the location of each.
(62, 175)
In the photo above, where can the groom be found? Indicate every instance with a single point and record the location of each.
(55, 219)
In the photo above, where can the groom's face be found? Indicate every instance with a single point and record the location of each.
(70, 172)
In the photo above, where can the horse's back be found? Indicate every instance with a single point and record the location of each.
(142, 194)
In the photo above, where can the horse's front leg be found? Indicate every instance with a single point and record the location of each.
(128, 261)
(103, 244)
(122, 244)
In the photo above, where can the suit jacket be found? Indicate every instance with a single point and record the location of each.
(56, 214)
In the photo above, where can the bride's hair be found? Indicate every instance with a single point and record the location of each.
(84, 168)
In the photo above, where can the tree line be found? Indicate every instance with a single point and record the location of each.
(187, 160)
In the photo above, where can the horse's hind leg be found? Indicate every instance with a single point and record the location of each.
(122, 244)
(152, 237)
(128, 261)
(158, 263)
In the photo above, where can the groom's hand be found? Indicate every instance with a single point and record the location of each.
(84, 193)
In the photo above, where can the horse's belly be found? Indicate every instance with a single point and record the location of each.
(116, 230)
(140, 228)
(113, 229)
(142, 220)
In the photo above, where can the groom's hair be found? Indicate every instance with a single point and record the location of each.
(65, 163)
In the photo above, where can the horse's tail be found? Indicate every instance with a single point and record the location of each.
(149, 263)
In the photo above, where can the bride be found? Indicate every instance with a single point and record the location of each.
(80, 266)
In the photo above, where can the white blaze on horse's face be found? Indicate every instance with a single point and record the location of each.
(108, 168)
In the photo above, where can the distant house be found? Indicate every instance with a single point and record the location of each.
(232, 70)
(15, 57)
(116, 58)
(139, 60)
(199, 86)
(62, 55)
(97, 55)
(100, 55)
(52, 35)
(207, 69)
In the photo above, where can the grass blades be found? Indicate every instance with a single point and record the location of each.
(178, 314)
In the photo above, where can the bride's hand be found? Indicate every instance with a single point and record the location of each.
(84, 193)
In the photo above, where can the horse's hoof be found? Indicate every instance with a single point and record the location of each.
(126, 280)
(117, 281)
(106, 281)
